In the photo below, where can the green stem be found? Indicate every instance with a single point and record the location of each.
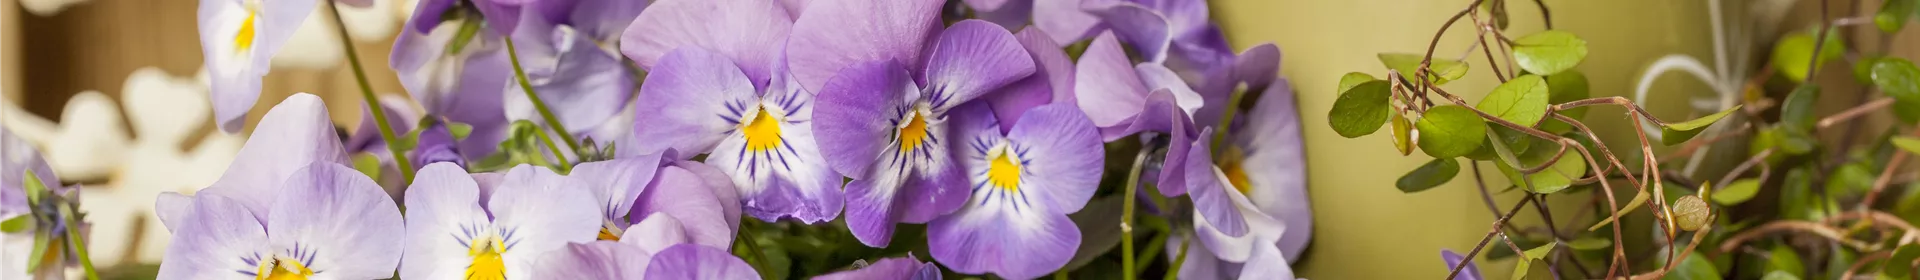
(1126, 214)
(520, 74)
(557, 156)
(366, 92)
(79, 246)
(1173, 272)
(753, 245)
(1159, 243)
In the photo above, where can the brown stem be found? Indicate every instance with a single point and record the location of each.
(1886, 176)
(1820, 229)
(1855, 112)
(1495, 229)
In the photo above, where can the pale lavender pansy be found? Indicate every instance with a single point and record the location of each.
(1025, 182)
(657, 239)
(1177, 32)
(19, 162)
(903, 268)
(464, 86)
(633, 189)
(238, 38)
(718, 86)
(836, 34)
(1011, 14)
(328, 221)
(690, 261)
(459, 229)
(1263, 262)
(572, 63)
(887, 127)
(1251, 197)
(599, 20)
(501, 16)
(1125, 99)
(294, 134)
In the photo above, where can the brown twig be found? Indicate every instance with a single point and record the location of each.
(1495, 229)
(1886, 176)
(1862, 263)
(1820, 229)
(1855, 112)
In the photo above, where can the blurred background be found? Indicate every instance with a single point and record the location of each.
(108, 88)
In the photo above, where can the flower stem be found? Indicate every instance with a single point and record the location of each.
(557, 156)
(79, 246)
(520, 75)
(366, 92)
(1126, 214)
(1173, 272)
(759, 261)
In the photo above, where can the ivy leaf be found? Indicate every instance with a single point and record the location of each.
(1450, 131)
(1360, 110)
(1590, 244)
(1903, 255)
(1567, 86)
(1798, 109)
(1898, 78)
(1793, 51)
(1354, 79)
(1521, 100)
(1739, 191)
(1680, 132)
(1910, 144)
(1549, 52)
(1402, 134)
(1691, 213)
(1435, 172)
(1893, 15)
(1443, 70)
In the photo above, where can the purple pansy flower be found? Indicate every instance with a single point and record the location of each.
(328, 221)
(462, 87)
(633, 189)
(293, 135)
(718, 86)
(906, 268)
(366, 139)
(19, 161)
(1471, 272)
(1256, 185)
(658, 238)
(1025, 182)
(458, 227)
(1124, 99)
(1174, 31)
(238, 38)
(883, 122)
(570, 57)
(690, 261)
(1051, 82)
(501, 16)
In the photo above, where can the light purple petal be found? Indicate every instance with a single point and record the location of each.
(593, 260)
(1257, 66)
(934, 190)
(890, 268)
(1052, 82)
(426, 15)
(605, 20)
(464, 87)
(1209, 189)
(1065, 20)
(591, 84)
(17, 157)
(1011, 15)
(870, 213)
(836, 34)
(172, 208)
(722, 188)
(747, 32)
(618, 182)
(1200, 262)
(213, 241)
(681, 194)
(501, 15)
(794, 7)
(544, 210)
(1145, 29)
(655, 233)
(1275, 164)
(1472, 272)
(1266, 263)
(348, 224)
(1161, 115)
(1261, 230)
(851, 120)
(1158, 77)
(1184, 15)
(1064, 156)
(686, 100)
(689, 261)
(972, 58)
(1002, 240)
(986, 4)
(366, 135)
(1198, 51)
(296, 133)
(1106, 85)
(442, 202)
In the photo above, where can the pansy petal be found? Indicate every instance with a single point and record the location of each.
(870, 213)
(1051, 82)
(1010, 15)
(744, 31)
(837, 34)
(722, 188)
(501, 15)
(618, 182)
(1002, 240)
(1108, 88)
(1261, 229)
(593, 260)
(655, 233)
(1257, 66)
(1158, 77)
(932, 192)
(1472, 272)
(1275, 161)
(1145, 29)
(214, 241)
(682, 194)
(889, 268)
(690, 261)
(592, 84)
(172, 207)
(426, 14)
(1209, 189)
(342, 221)
(1063, 153)
(972, 58)
(1197, 51)
(442, 203)
(851, 120)
(543, 211)
(605, 20)
(296, 133)
(1266, 263)
(688, 99)
(1161, 115)
(794, 7)
(1065, 20)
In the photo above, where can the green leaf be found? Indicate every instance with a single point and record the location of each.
(1798, 109)
(1676, 133)
(1851, 178)
(1789, 140)
(1354, 79)
(1524, 266)
(1690, 213)
(1908, 111)
(368, 164)
(1898, 78)
(1739, 191)
(1590, 244)
(1567, 86)
(1632, 204)
(17, 224)
(1694, 267)
(1549, 52)
(1893, 15)
(1863, 69)
(1402, 134)
(1783, 259)
(1793, 51)
(1443, 70)
(1435, 172)
(1779, 275)
(460, 131)
(1499, 11)
(42, 241)
(1903, 255)
(34, 188)
(1450, 131)
(1360, 110)
(1521, 100)
(1910, 144)
(1560, 176)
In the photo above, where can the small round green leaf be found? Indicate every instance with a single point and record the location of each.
(1893, 15)
(1798, 109)
(1570, 167)
(1354, 79)
(1898, 78)
(1793, 51)
(1691, 213)
(1567, 86)
(1435, 172)
(1443, 70)
(1360, 110)
(1450, 131)
(1680, 132)
(1739, 191)
(1910, 144)
(1521, 100)
(1549, 52)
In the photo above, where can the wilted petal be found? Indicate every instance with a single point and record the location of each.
(214, 241)
(690, 261)
(296, 133)
(593, 260)
(443, 201)
(746, 32)
(891, 268)
(342, 222)
(972, 58)
(679, 193)
(837, 34)
(686, 101)
(1106, 85)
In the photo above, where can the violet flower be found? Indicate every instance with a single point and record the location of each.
(1051, 82)
(723, 90)
(570, 57)
(907, 268)
(19, 162)
(883, 121)
(238, 38)
(460, 228)
(633, 189)
(1123, 99)
(328, 221)
(1025, 182)
(658, 238)
(1252, 197)
(464, 87)
(366, 139)
(501, 16)
(293, 135)
(1471, 272)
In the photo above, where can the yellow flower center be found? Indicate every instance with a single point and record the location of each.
(283, 268)
(1004, 172)
(610, 232)
(913, 133)
(243, 39)
(762, 131)
(1230, 163)
(487, 264)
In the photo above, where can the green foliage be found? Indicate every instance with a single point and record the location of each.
(1524, 266)
(1898, 78)
(1893, 15)
(1352, 79)
(1694, 267)
(1798, 110)
(1739, 191)
(1851, 178)
(1793, 51)
(1900, 264)
(1571, 167)
(1360, 110)
(1549, 52)
(1402, 134)
(1443, 70)
(1590, 244)
(1435, 172)
(368, 164)
(17, 224)
(35, 189)
(1567, 86)
(1691, 213)
(1784, 259)
(1909, 144)
(1450, 131)
(1863, 69)
(1680, 132)
(1499, 11)
(1522, 100)
(1908, 111)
